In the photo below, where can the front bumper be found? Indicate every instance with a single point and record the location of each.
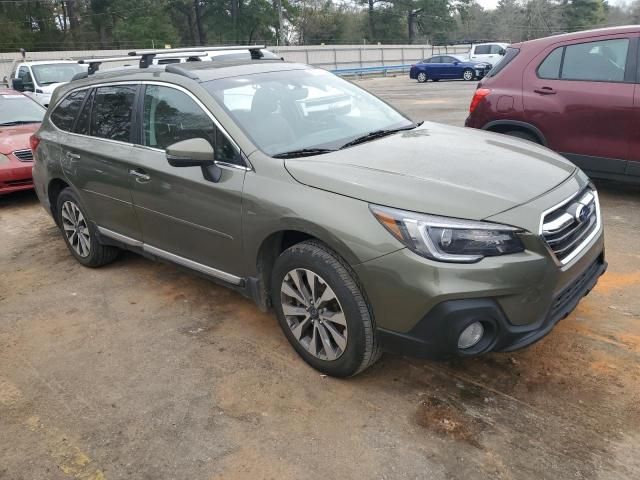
(15, 177)
(420, 306)
(436, 334)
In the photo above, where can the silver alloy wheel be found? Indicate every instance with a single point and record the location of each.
(422, 77)
(76, 229)
(314, 314)
(467, 75)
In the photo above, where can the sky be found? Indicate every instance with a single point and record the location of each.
(487, 4)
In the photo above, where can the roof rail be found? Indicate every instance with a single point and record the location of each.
(178, 70)
(148, 55)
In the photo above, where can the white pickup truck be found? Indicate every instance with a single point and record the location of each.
(38, 79)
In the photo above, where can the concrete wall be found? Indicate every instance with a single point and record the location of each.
(330, 57)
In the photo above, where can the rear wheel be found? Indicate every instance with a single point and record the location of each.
(468, 74)
(322, 310)
(79, 233)
(523, 135)
(422, 77)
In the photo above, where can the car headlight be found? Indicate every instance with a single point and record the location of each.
(448, 239)
(3, 159)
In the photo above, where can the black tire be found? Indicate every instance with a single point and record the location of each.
(523, 135)
(422, 77)
(97, 254)
(468, 74)
(362, 348)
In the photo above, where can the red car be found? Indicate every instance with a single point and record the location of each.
(577, 94)
(20, 117)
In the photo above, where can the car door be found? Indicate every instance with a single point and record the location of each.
(633, 166)
(580, 96)
(480, 52)
(184, 216)
(449, 67)
(96, 154)
(435, 68)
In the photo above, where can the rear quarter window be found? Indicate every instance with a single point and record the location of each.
(509, 55)
(64, 115)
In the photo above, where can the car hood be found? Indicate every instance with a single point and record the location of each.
(438, 169)
(50, 88)
(16, 137)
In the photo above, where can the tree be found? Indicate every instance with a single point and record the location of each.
(584, 14)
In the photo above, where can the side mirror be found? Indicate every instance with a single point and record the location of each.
(456, 63)
(502, 51)
(18, 84)
(195, 152)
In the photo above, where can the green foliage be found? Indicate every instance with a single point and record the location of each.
(583, 14)
(91, 24)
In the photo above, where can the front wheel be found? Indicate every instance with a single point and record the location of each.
(468, 74)
(322, 310)
(422, 77)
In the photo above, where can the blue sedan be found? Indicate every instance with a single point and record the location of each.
(448, 67)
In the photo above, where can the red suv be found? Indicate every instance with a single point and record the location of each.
(577, 94)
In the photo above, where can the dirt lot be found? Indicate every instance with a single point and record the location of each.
(141, 370)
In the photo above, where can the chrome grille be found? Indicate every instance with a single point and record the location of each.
(24, 155)
(568, 228)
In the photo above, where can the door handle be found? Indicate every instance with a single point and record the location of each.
(72, 156)
(545, 91)
(140, 175)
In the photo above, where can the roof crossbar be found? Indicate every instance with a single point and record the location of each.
(148, 55)
(94, 63)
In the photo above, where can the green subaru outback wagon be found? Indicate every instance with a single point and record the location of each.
(362, 230)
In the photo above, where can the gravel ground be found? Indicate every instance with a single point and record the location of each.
(142, 370)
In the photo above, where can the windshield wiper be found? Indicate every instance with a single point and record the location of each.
(18, 122)
(378, 134)
(303, 152)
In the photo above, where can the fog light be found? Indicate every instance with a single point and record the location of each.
(470, 335)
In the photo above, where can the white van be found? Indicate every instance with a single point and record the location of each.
(488, 52)
(38, 79)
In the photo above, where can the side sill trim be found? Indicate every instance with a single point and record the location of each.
(185, 262)
(119, 237)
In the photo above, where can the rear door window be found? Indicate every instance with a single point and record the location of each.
(65, 113)
(483, 50)
(603, 61)
(111, 113)
(596, 61)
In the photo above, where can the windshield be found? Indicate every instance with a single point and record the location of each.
(302, 109)
(16, 109)
(49, 73)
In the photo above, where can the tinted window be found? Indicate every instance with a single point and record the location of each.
(435, 60)
(111, 115)
(495, 49)
(65, 113)
(84, 119)
(483, 49)
(448, 60)
(596, 61)
(171, 116)
(550, 67)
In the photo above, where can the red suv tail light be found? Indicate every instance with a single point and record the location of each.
(34, 141)
(478, 97)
